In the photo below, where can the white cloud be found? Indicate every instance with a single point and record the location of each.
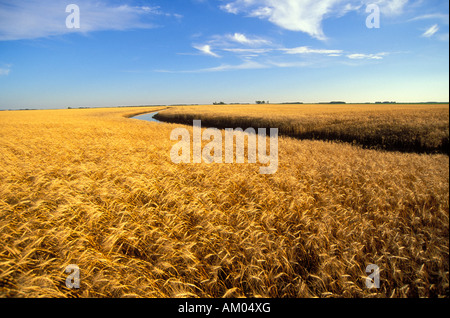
(243, 39)
(238, 39)
(42, 18)
(247, 51)
(391, 7)
(259, 58)
(290, 64)
(348, 8)
(270, 54)
(307, 15)
(230, 8)
(439, 16)
(238, 43)
(295, 15)
(431, 31)
(247, 65)
(206, 49)
(361, 56)
(307, 50)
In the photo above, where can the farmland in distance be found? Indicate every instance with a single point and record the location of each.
(422, 128)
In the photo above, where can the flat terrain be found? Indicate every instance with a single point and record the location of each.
(405, 127)
(93, 188)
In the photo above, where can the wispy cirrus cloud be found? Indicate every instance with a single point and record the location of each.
(306, 15)
(295, 15)
(437, 30)
(443, 17)
(238, 43)
(241, 51)
(248, 51)
(308, 50)
(431, 31)
(362, 56)
(390, 7)
(239, 39)
(244, 46)
(243, 39)
(252, 62)
(42, 18)
(206, 49)
(242, 57)
(246, 65)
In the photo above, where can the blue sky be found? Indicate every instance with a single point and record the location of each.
(148, 52)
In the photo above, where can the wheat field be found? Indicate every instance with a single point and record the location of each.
(95, 188)
(420, 128)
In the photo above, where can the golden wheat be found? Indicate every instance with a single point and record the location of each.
(96, 189)
(404, 127)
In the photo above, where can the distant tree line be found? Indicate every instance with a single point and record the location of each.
(257, 102)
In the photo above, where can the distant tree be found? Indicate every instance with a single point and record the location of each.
(337, 102)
